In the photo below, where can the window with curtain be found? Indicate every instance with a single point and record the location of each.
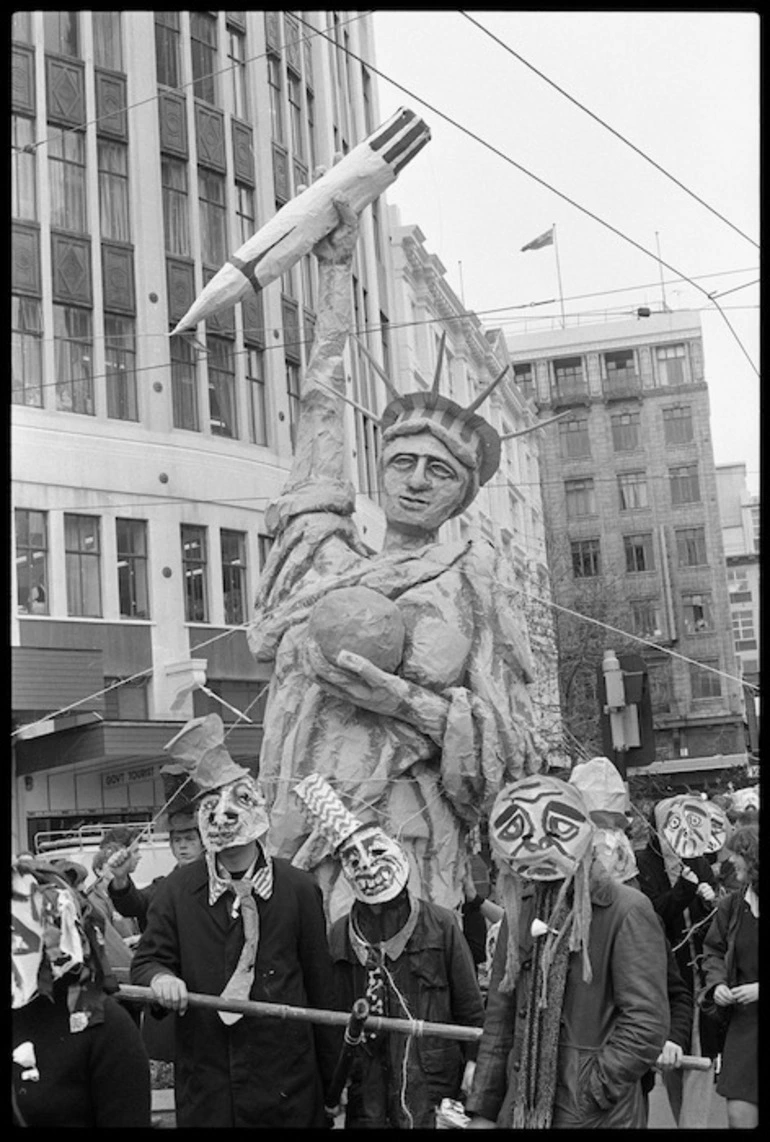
(73, 359)
(626, 431)
(275, 91)
(632, 490)
(568, 376)
(23, 169)
(691, 546)
(67, 179)
(120, 367)
(131, 540)
(61, 33)
(213, 219)
(645, 618)
(639, 552)
(574, 438)
(184, 385)
(167, 48)
(236, 60)
(113, 190)
(244, 212)
(234, 591)
(255, 378)
(677, 424)
(108, 44)
(203, 43)
(685, 487)
(580, 498)
(671, 365)
(194, 572)
(221, 367)
(176, 211)
(82, 556)
(295, 114)
(31, 529)
(26, 351)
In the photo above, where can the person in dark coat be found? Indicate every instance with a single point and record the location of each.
(678, 879)
(577, 1009)
(731, 968)
(409, 959)
(239, 924)
(78, 1058)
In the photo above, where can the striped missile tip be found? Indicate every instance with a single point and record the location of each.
(400, 139)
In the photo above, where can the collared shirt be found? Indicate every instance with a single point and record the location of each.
(259, 873)
(391, 948)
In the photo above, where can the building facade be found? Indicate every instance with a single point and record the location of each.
(635, 544)
(147, 146)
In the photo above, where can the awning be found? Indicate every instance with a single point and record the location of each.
(692, 764)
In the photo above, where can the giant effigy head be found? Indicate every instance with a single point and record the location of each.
(683, 823)
(231, 810)
(375, 865)
(540, 828)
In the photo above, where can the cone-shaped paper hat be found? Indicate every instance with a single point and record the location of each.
(331, 816)
(198, 749)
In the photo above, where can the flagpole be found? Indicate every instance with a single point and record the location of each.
(558, 275)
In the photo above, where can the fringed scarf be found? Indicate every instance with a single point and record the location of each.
(565, 907)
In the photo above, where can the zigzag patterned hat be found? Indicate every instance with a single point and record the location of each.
(332, 817)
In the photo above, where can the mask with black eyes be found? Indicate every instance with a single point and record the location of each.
(375, 866)
(540, 827)
(232, 815)
(684, 823)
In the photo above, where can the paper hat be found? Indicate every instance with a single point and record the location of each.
(332, 817)
(603, 791)
(198, 749)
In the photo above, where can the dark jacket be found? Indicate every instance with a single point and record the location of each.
(135, 902)
(612, 1029)
(259, 1071)
(681, 1005)
(436, 976)
(719, 945)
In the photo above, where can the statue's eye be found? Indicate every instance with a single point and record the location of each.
(511, 824)
(563, 828)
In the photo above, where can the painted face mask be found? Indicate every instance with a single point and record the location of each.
(232, 815)
(613, 851)
(375, 865)
(540, 827)
(684, 823)
(720, 827)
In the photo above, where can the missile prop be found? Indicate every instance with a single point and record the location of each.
(361, 176)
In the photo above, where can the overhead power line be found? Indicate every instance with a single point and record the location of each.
(607, 126)
(530, 174)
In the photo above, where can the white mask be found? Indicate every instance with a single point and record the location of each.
(375, 865)
(232, 815)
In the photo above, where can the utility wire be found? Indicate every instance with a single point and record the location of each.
(512, 162)
(607, 126)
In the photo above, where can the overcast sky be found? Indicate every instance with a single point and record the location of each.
(683, 87)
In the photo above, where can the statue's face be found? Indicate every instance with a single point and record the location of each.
(422, 482)
(375, 865)
(719, 823)
(232, 815)
(686, 826)
(540, 827)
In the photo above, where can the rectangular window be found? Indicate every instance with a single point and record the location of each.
(586, 562)
(131, 535)
(203, 42)
(211, 197)
(691, 547)
(632, 489)
(73, 358)
(127, 702)
(245, 213)
(113, 191)
(574, 438)
(568, 376)
(295, 116)
(23, 169)
(743, 625)
(659, 674)
(645, 618)
(274, 80)
(61, 33)
(581, 499)
(677, 424)
(120, 367)
(176, 215)
(108, 47)
(196, 607)
(685, 488)
(671, 363)
(31, 562)
(264, 543)
(697, 614)
(236, 59)
(620, 368)
(67, 180)
(234, 576)
(639, 552)
(292, 389)
(625, 431)
(255, 377)
(222, 411)
(737, 580)
(310, 109)
(81, 555)
(704, 682)
(26, 351)
(167, 54)
(184, 385)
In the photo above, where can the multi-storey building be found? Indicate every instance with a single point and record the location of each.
(508, 511)
(146, 147)
(633, 530)
(739, 513)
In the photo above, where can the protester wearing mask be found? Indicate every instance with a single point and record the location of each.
(409, 959)
(241, 925)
